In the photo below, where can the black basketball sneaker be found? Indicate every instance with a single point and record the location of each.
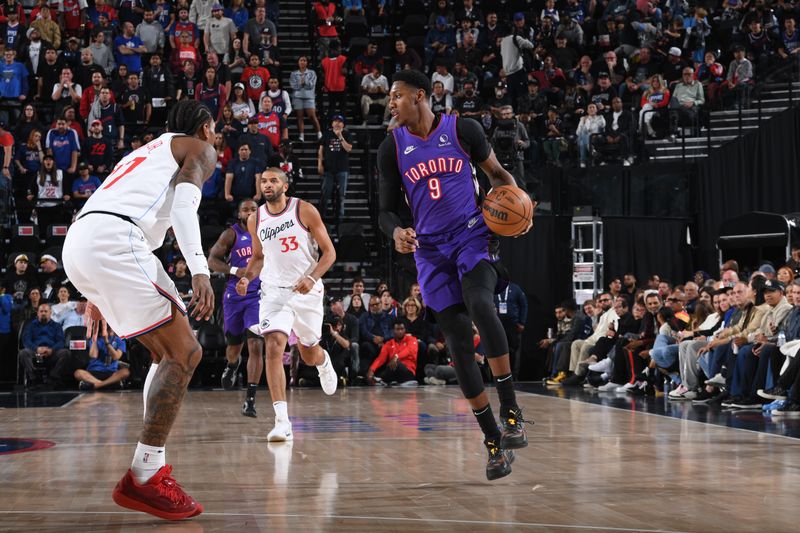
(513, 426)
(229, 375)
(500, 459)
(249, 408)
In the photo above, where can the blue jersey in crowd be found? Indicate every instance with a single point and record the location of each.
(62, 146)
(103, 362)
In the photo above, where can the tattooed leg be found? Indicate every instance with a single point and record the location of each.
(165, 396)
(180, 355)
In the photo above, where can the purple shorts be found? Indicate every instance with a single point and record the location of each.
(444, 258)
(239, 312)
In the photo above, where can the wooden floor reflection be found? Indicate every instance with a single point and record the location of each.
(399, 460)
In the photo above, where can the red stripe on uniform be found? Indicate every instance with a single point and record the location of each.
(148, 329)
(169, 297)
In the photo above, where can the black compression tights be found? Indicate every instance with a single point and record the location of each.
(478, 293)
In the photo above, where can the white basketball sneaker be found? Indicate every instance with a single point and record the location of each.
(327, 375)
(281, 432)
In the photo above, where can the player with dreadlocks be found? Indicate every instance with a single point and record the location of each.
(108, 256)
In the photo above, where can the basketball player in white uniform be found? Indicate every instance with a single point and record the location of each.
(108, 257)
(288, 234)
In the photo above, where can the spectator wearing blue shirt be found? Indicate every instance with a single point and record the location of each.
(239, 15)
(43, 346)
(13, 82)
(164, 14)
(6, 306)
(512, 308)
(84, 186)
(242, 175)
(353, 7)
(375, 328)
(104, 355)
(128, 49)
(63, 144)
(440, 42)
(13, 31)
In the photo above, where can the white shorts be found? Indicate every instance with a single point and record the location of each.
(282, 310)
(108, 260)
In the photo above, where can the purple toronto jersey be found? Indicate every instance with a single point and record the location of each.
(438, 178)
(241, 252)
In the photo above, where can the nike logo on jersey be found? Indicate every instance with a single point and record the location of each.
(244, 238)
(472, 222)
(409, 149)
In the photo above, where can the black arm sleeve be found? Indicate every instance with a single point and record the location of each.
(473, 139)
(390, 185)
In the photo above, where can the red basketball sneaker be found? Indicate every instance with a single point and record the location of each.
(160, 496)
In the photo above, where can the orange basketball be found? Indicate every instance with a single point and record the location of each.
(507, 210)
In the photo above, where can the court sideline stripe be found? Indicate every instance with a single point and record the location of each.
(379, 518)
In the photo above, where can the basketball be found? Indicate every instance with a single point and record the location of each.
(507, 210)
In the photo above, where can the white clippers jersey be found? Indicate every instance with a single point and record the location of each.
(290, 251)
(141, 187)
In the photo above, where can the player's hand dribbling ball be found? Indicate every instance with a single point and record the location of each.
(508, 211)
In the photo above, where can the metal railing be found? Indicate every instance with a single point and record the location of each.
(765, 83)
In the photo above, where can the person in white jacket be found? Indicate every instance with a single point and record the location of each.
(579, 350)
(591, 123)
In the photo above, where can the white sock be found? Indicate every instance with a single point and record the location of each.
(147, 460)
(325, 362)
(281, 411)
(146, 389)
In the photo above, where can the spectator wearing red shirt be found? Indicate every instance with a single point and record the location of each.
(334, 69)
(185, 51)
(15, 7)
(183, 24)
(255, 78)
(71, 15)
(92, 93)
(101, 7)
(270, 124)
(7, 142)
(397, 360)
(326, 25)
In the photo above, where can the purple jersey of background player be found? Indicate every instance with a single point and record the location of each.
(438, 178)
(240, 254)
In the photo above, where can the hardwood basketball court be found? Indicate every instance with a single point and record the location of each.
(398, 460)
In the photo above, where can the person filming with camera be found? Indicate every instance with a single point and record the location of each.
(510, 141)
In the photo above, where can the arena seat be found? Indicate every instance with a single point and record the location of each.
(25, 237)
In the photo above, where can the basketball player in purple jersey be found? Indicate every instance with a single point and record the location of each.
(428, 157)
(240, 313)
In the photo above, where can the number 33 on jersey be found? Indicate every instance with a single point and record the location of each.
(290, 252)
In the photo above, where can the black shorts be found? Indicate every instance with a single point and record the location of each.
(101, 375)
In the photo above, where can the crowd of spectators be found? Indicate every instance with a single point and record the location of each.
(650, 68)
(84, 84)
(375, 339)
(731, 342)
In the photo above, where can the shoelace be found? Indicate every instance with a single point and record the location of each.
(494, 451)
(171, 488)
(515, 416)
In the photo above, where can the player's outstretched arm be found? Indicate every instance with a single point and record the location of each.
(221, 248)
(256, 261)
(197, 160)
(309, 217)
